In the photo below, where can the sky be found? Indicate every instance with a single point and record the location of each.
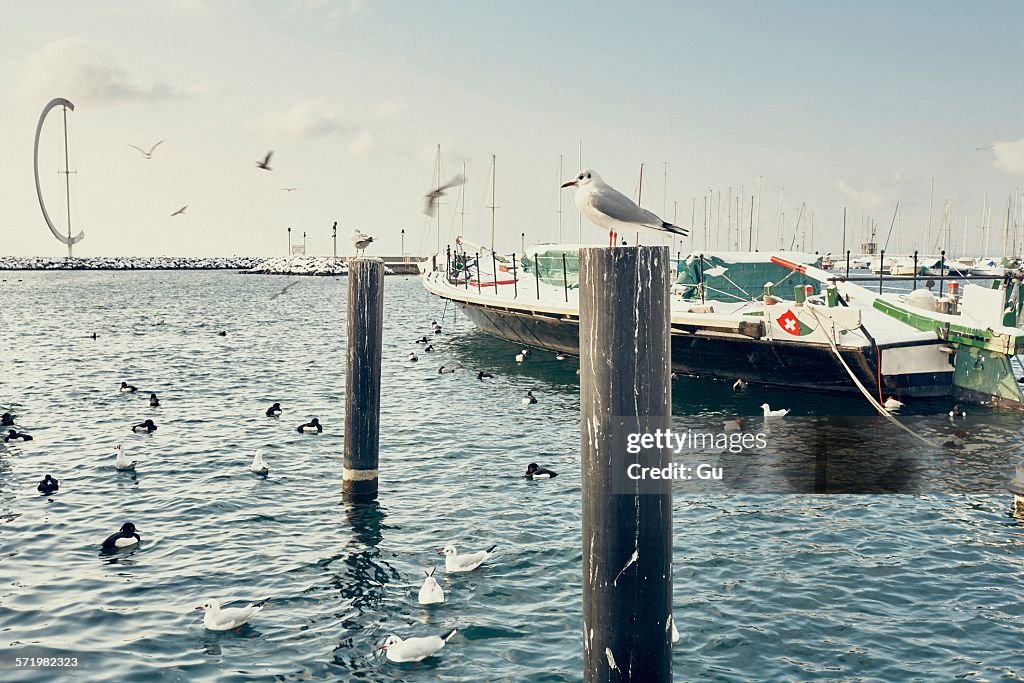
(826, 106)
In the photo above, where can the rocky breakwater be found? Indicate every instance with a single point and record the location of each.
(128, 263)
(304, 265)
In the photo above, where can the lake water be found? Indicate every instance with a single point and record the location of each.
(768, 586)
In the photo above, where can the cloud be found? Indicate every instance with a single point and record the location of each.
(305, 120)
(361, 143)
(1009, 156)
(391, 108)
(868, 199)
(72, 68)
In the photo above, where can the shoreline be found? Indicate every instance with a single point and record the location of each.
(249, 265)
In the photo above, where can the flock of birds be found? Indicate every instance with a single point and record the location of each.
(217, 618)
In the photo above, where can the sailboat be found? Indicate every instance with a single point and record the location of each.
(67, 239)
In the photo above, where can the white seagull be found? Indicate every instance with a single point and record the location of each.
(453, 562)
(258, 466)
(217, 619)
(768, 412)
(606, 207)
(892, 404)
(147, 155)
(122, 464)
(415, 649)
(430, 591)
(360, 241)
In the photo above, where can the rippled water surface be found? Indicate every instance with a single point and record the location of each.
(767, 586)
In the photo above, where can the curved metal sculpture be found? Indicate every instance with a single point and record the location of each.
(64, 239)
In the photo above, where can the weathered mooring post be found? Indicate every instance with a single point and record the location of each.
(362, 380)
(625, 389)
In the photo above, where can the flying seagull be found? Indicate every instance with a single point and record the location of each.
(179, 211)
(982, 149)
(285, 290)
(265, 164)
(145, 154)
(606, 207)
(432, 197)
(289, 189)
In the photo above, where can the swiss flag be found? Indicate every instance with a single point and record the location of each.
(790, 323)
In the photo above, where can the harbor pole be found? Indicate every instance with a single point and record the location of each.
(915, 269)
(847, 264)
(515, 278)
(942, 269)
(362, 380)
(536, 275)
(494, 271)
(627, 523)
(701, 267)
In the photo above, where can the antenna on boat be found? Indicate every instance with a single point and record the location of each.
(757, 230)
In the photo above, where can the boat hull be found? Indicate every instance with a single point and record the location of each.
(695, 352)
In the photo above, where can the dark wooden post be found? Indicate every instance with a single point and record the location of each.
(627, 524)
(881, 270)
(362, 380)
(915, 269)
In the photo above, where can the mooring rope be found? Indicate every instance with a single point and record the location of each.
(875, 404)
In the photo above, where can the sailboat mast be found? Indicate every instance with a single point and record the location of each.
(494, 170)
(559, 179)
(579, 214)
(67, 177)
(462, 192)
(437, 183)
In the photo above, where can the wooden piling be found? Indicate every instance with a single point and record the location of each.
(362, 380)
(625, 388)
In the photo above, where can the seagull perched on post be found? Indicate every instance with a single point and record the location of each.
(145, 154)
(606, 207)
(265, 164)
(432, 197)
(360, 241)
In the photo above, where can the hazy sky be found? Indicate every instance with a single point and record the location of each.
(853, 104)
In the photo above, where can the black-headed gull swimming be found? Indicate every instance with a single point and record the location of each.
(217, 619)
(768, 412)
(415, 649)
(122, 463)
(360, 240)
(535, 471)
(258, 466)
(454, 562)
(430, 591)
(124, 538)
(606, 207)
(892, 404)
